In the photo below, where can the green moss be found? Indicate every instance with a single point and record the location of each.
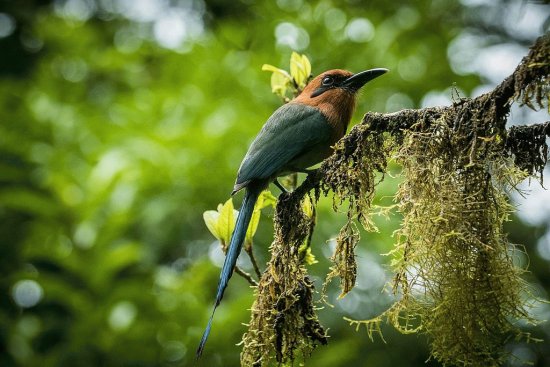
(453, 262)
(352, 178)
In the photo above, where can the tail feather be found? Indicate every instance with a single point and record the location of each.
(235, 245)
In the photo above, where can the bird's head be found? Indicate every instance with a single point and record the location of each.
(340, 81)
(333, 93)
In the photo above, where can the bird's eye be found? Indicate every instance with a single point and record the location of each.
(327, 80)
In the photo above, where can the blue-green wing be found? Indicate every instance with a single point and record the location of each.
(292, 131)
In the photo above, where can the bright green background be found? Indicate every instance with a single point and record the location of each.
(114, 140)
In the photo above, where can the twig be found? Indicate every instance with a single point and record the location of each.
(246, 276)
(248, 250)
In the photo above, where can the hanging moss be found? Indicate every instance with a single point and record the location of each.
(283, 316)
(352, 178)
(453, 262)
(529, 146)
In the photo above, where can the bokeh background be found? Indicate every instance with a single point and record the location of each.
(122, 121)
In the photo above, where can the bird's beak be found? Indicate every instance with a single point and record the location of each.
(356, 81)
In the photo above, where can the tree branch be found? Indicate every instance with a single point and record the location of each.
(524, 84)
(246, 276)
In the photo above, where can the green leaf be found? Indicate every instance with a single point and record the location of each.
(280, 80)
(307, 207)
(211, 220)
(265, 199)
(268, 199)
(300, 69)
(307, 66)
(279, 84)
(253, 226)
(295, 60)
(295, 70)
(226, 221)
(267, 67)
(221, 222)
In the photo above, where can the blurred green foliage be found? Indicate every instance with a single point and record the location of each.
(121, 122)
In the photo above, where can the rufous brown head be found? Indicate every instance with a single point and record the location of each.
(333, 93)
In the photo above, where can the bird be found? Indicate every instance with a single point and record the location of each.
(298, 135)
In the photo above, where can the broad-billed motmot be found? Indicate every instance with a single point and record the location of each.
(298, 135)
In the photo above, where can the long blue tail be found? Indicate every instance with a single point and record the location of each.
(233, 252)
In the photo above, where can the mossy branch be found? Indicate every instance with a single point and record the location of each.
(528, 84)
(455, 274)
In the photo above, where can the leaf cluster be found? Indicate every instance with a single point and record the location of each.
(284, 83)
